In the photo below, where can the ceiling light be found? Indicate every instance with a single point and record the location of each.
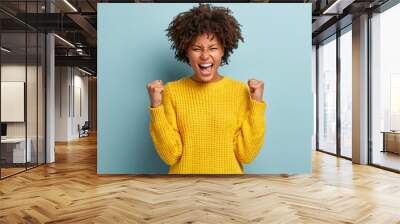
(86, 72)
(64, 40)
(70, 5)
(338, 6)
(5, 50)
(331, 7)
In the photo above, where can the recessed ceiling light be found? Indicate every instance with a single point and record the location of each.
(84, 71)
(64, 40)
(337, 7)
(70, 5)
(5, 50)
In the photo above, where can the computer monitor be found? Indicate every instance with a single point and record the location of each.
(3, 129)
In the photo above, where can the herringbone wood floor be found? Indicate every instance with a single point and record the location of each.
(69, 191)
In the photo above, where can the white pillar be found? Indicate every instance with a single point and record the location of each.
(360, 90)
(50, 100)
(50, 92)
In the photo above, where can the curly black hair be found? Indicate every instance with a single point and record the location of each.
(186, 26)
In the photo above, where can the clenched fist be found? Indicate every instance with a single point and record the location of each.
(155, 89)
(256, 88)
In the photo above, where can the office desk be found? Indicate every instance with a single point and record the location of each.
(391, 141)
(13, 150)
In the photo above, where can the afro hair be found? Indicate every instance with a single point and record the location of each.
(186, 26)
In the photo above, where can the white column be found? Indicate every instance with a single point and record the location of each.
(50, 100)
(360, 90)
(50, 92)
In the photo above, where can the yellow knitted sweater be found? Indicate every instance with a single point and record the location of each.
(207, 128)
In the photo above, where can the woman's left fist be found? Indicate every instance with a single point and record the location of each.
(256, 88)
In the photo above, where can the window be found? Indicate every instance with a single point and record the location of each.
(327, 95)
(346, 93)
(385, 88)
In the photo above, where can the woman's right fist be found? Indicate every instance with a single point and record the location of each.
(155, 89)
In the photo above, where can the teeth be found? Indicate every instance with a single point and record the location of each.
(205, 65)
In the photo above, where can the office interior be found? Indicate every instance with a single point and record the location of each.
(49, 80)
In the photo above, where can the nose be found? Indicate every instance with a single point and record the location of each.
(204, 55)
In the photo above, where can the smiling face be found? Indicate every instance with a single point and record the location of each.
(205, 54)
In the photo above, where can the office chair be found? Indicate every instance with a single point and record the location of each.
(84, 130)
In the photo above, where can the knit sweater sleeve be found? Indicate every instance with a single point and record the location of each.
(164, 130)
(249, 137)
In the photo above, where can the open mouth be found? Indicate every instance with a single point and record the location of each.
(205, 68)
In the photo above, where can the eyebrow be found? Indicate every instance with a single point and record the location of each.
(212, 45)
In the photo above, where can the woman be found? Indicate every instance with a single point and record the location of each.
(206, 123)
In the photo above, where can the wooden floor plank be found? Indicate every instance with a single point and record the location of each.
(70, 191)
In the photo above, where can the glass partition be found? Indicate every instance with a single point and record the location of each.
(41, 91)
(385, 89)
(14, 153)
(22, 77)
(327, 95)
(32, 95)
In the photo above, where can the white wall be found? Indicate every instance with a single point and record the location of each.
(62, 81)
(15, 72)
(11, 73)
(71, 94)
(33, 127)
(79, 112)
